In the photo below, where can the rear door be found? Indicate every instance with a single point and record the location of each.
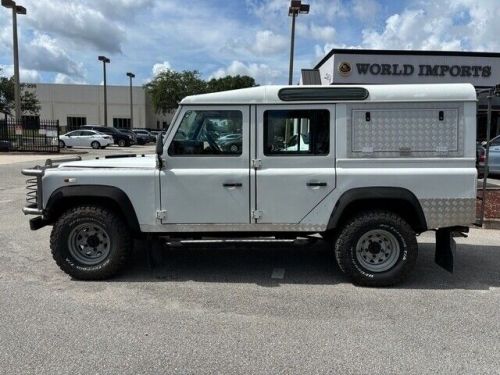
(295, 154)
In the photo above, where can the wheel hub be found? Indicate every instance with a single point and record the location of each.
(89, 244)
(377, 250)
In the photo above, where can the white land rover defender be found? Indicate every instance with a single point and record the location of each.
(367, 167)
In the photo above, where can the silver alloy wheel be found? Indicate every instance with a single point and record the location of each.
(95, 145)
(377, 250)
(61, 144)
(89, 244)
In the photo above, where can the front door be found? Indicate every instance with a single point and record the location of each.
(296, 148)
(206, 177)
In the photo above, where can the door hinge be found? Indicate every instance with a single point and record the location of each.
(161, 215)
(256, 214)
(256, 163)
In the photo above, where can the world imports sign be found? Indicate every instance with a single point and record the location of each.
(423, 70)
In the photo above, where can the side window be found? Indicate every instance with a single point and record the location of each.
(74, 133)
(208, 132)
(297, 132)
(86, 133)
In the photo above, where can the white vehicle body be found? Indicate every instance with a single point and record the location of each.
(86, 138)
(409, 142)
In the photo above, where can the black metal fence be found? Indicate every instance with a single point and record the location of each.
(30, 134)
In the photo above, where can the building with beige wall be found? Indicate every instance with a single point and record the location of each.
(75, 105)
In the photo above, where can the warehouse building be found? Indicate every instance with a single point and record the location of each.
(77, 105)
(358, 66)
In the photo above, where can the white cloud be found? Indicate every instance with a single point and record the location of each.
(262, 73)
(366, 10)
(26, 75)
(267, 42)
(77, 23)
(161, 67)
(44, 54)
(65, 79)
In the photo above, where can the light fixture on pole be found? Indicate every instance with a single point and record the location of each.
(131, 75)
(16, 9)
(105, 61)
(296, 8)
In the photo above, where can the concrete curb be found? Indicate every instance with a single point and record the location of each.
(491, 224)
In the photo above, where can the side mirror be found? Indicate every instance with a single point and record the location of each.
(159, 146)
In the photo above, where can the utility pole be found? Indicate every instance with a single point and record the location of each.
(105, 61)
(131, 75)
(16, 9)
(295, 8)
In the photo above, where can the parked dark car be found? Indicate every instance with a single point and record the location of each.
(120, 139)
(131, 133)
(151, 137)
(141, 139)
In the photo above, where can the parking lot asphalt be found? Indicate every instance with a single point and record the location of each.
(240, 307)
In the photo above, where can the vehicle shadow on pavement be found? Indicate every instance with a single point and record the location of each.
(476, 267)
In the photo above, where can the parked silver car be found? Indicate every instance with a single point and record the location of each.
(494, 157)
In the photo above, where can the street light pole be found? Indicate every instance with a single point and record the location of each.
(105, 61)
(131, 75)
(295, 8)
(16, 9)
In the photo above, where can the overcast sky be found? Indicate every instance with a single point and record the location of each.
(61, 39)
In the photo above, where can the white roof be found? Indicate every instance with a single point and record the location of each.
(377, 93)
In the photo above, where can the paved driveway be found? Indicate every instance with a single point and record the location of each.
(252, 307)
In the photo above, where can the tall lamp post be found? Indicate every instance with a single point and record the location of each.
(105, 61)
(296, 8)
(131, 75)
(16, 9)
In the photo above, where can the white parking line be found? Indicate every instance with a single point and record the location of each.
(6, 201)
(278, 273)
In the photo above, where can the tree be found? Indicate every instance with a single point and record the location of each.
(230, 83)
(168, 88)
(29, 101)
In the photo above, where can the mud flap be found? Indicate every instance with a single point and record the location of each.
(446, 245)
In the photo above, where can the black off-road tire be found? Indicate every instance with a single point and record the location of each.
(120, 242)
(351, 233)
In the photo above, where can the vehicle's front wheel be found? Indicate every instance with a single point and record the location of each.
(376, 248)
(95, 145)
(62, 144)
(90, 242)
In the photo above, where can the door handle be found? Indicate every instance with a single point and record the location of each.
(232, 184)
(316, 184)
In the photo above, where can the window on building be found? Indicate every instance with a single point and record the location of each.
(164, 125)
(74, 122)
(121, 123)
(213, 133)
(31, 122)
(297, 132)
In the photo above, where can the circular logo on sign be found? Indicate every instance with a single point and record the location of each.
(344, 69)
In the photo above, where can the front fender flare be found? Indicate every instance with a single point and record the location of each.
(118, 196)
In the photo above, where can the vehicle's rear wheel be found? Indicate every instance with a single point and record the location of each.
(90, 242)
(62, 144)
(95, 145)
(122, 143)
(376, 248)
